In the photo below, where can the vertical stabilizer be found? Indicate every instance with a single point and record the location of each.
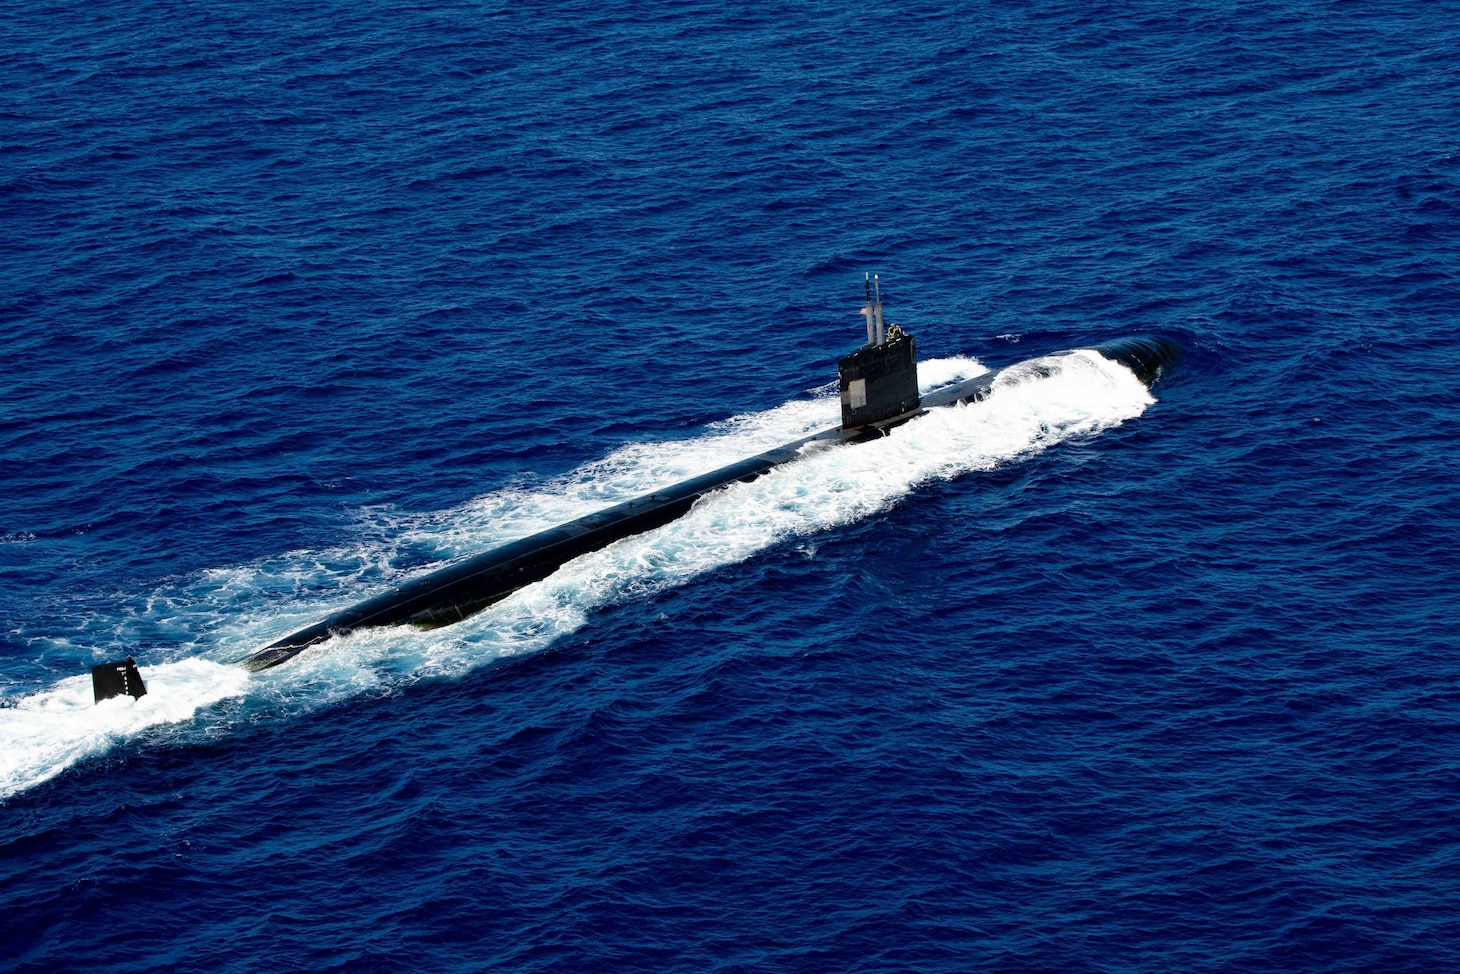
(117, 679)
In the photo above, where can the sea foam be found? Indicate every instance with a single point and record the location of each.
(1032, 407)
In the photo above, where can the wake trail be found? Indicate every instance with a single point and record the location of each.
(1031, 408)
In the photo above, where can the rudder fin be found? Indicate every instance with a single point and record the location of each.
(115, 679)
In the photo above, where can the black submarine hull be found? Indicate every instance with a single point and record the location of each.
(462, 588)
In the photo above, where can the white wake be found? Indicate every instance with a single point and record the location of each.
(42, 732)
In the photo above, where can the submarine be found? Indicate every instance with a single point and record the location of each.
(878, 385)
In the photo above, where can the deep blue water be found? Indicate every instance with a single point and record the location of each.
(298, 299)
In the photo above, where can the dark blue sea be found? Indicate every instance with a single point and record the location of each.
(298, 300)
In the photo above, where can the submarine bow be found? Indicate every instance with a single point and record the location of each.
(1151, 357)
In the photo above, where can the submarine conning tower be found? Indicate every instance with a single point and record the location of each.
(879, 381)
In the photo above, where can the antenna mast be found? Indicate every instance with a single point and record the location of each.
(867, 313)
(877, 308)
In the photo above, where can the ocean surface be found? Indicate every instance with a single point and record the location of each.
(299, 299)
